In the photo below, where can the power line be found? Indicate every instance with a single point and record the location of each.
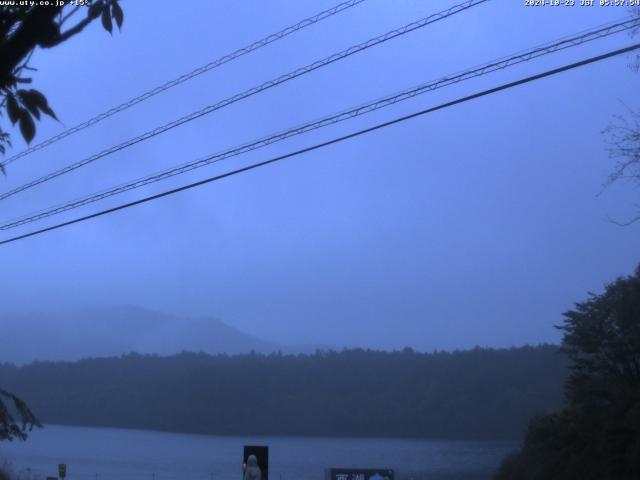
(358, 133)
(188, 76)
(502, 63)
(253, 91)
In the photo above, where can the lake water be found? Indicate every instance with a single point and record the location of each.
(119, 454)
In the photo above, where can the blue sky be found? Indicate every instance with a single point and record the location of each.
(479, 224)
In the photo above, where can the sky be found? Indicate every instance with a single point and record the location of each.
(476, 225)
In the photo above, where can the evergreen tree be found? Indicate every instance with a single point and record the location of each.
(597, 435)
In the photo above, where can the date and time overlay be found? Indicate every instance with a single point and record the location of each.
(582, 3)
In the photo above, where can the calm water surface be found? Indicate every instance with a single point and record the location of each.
(119, 454)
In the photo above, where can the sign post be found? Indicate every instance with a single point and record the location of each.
(360, 474)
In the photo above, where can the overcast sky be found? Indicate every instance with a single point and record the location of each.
(478, 224)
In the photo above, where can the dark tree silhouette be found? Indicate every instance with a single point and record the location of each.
(602, 340)
(597, 435)
(23, 28)
(16, 423)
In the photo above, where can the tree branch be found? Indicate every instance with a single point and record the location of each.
(625, 223)
(34, 29)
(72, 31)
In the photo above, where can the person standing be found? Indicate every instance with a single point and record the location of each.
(252, 470)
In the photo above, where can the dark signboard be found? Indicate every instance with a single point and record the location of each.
(360, 474)
(262, 455)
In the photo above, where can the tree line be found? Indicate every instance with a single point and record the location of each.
(479, 393)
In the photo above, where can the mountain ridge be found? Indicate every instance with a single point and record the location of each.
(69, 334)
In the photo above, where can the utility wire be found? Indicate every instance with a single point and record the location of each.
(253, 91)
(318, 146)
(188, 76)
(502, 63)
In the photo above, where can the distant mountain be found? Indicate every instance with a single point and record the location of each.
(100, 332)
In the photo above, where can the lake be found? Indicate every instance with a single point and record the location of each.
(120, 454)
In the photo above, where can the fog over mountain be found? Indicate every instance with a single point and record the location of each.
(71, 334)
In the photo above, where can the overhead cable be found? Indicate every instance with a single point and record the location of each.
(187, 76)
(252, 91)
(318, 146)
(492, 66)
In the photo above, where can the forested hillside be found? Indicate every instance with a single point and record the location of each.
(478, 393)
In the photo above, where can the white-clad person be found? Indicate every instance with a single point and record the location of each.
(252, 470)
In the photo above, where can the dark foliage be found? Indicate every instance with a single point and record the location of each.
(477, 393)
(23, 28)
(16, 419)
(597, 435)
